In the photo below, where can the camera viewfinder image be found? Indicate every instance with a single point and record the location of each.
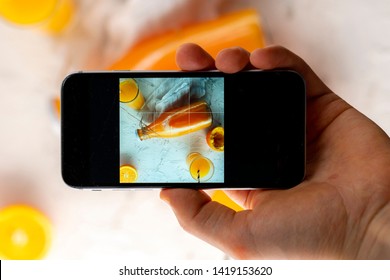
(171, 130)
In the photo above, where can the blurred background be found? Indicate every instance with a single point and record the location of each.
(345, 42)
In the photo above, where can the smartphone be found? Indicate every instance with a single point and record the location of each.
(176, 129)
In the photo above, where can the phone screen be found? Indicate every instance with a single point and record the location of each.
(183, 129)
(165, 126)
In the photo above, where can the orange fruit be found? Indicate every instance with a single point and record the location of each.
(216, 139)
(25, 233)
(128, 174)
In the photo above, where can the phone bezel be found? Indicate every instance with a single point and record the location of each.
(75, 113)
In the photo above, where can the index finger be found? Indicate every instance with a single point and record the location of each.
(191, 57)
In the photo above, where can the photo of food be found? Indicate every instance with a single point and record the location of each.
(171, 130)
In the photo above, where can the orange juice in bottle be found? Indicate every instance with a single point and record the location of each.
(179, 121)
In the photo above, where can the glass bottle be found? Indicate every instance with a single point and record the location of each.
(178, 122)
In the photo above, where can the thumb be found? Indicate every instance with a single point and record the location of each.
(208, 220)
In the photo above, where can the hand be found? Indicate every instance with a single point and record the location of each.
(340, 210)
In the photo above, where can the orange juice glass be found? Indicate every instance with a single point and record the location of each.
(201, 168)
(50, 15)
(130, 94)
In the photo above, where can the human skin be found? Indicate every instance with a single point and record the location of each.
(342, 208)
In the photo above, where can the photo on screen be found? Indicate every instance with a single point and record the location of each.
(171, 130)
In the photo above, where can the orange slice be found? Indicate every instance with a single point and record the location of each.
(216, 139)
(128, 174)
(25, 233)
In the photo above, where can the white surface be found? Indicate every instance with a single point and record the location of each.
(345, 42)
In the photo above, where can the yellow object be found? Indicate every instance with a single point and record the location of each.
(25, 233)
(130, 94)
(201, 168)
(56, 105)
(221, 197)
(128, 174)
(178, 121)
(27, 11)
(51, 15)
(240, 28)
(215, 138)
(61, 17)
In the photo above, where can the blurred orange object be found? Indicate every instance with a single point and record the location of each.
(50, 15)
(221, 197)
(61, 18)
(56, 106)
(25, 233)
(240, 28)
